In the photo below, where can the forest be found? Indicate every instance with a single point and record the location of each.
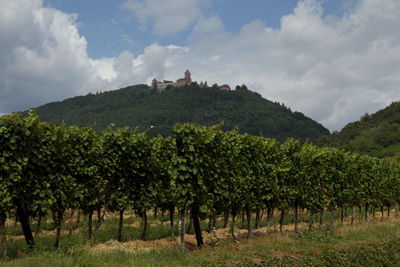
(144, 108)
(374, 134)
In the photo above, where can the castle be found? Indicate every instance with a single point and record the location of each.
(184, 81)
(187, 80)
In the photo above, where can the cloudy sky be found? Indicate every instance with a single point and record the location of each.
(333, 60)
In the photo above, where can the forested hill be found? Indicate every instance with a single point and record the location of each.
(141, 106)
(376, 135)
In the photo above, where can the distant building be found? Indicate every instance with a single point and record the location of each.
(225, 87)
(187, 80)
(160, 86)
(184, 81)
(203, 85)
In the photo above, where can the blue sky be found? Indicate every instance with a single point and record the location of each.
(110, 29)
(333, 60)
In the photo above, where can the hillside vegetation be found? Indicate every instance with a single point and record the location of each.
(57, 177)
(142, 107)
(376, 135)
(203, 171)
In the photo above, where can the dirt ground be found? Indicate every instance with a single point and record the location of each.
(213, 238)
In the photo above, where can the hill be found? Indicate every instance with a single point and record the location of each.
(376, 135)
(143, 107)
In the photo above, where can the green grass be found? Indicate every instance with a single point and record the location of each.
(372, 243)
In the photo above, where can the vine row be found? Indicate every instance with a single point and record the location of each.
(200, 170)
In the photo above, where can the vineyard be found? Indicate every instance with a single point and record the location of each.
(201, 173)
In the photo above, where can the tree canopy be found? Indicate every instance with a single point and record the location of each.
(145, 108)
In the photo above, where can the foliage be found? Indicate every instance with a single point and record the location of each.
(156, 113)
(375, 135)
(201, 168)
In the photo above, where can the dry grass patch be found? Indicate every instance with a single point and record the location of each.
(133, 247)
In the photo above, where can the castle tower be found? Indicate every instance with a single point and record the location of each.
(187, 76)
(184, 81)
(154, 84)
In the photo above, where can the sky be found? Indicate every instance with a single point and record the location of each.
(333, 60)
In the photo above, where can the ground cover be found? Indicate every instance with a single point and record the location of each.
(335, 243)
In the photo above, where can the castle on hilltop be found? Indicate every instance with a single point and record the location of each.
(186, 81)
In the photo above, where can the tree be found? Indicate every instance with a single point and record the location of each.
(144, 189)
(92, 182)
(312, 189)
(290, 180)
(5, 209)
(125, 165)
(117, 161)
(163, 152)
(195, 171)
(255, 177)
(24, 149)
(63, 160)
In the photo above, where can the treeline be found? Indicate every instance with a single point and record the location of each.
(374, 134)
(200, 170)
(140, 106)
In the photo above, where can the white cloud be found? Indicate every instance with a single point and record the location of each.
(208, 25)
(127, 39)
(42, 56)
(332, 69)
(166, 17)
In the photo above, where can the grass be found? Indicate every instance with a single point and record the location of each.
(372, 243)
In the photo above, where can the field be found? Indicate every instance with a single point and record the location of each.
(373, 242)
(201, 174)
